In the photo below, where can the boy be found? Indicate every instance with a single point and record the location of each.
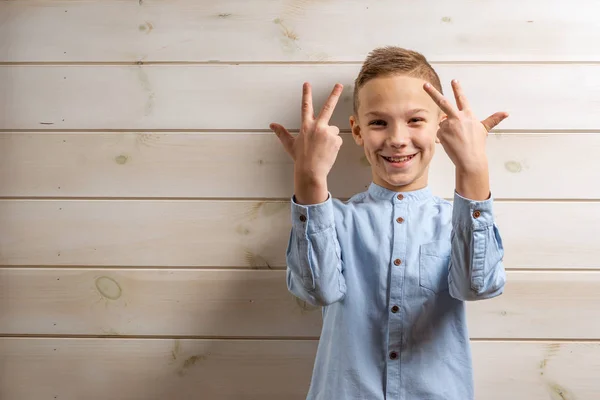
(393, 266)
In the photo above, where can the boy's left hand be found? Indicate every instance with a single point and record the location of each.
(461, 134)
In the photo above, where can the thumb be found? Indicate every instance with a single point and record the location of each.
(490, 122)
(284, 136)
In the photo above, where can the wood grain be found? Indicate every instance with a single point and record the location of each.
(96, 369)
(254, 165)
(536, 370)
(221, 303)
(230, 97)
(299, 30)
(134, 135)
(247, 234)
(152, 302)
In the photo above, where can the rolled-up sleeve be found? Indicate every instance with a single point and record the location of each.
(476, 263)
(314, 267)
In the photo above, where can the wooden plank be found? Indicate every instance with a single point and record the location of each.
(228, 97)
(250, 234)
(188, 30)
(122, 302)
(536, 370)
(540, 305)
(246, 165)
(153, 302)
(95, 369)
(133, 369)
(144, 233)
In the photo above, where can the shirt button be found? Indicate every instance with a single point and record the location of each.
(302, 218)
(400, 197)
(477, 214)
(399, 220)
(395, 309)
(397, 261)
(393, 355)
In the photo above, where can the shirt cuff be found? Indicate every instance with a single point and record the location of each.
(473, 214)
(314, 217)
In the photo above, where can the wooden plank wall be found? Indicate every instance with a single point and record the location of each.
(144, 203)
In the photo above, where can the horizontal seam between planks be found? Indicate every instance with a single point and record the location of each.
(515, 131)
(537, 340)
(235, 199)
(189, 268)
(197, 337)
(267, 132)
(272, 338)
(279, 268)
(288, 63)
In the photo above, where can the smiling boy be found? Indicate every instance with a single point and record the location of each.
(393, 266)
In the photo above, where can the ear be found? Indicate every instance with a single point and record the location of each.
(441, 118)
(356, 133)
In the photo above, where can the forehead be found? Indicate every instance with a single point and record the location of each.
(394, 94)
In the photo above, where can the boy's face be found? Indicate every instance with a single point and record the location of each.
(397, 123)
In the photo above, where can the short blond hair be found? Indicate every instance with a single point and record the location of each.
(392, 60)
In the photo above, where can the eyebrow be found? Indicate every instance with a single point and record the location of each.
(374, 113)
(418, 110)
(413, 111)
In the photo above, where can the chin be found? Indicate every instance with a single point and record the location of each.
(399, 182)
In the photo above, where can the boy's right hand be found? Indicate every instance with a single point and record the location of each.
(314, 149)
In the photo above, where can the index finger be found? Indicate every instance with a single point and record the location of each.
(327, 110)
(441, 101)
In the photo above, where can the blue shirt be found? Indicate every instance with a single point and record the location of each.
(392, 272)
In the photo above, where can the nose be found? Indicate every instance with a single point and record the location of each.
(399, 136)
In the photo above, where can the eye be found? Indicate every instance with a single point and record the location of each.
(379, 122)
(416, 120)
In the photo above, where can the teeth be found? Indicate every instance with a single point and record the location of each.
(398, 159)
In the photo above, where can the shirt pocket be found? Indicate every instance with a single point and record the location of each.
(434, 259)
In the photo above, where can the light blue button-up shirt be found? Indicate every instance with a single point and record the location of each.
(392, 272)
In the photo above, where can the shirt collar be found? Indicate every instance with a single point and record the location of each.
(379, 192)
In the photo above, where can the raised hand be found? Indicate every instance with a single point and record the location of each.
(463, 137)
(461, 134)
(314, 150)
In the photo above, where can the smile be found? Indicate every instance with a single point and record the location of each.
(398, 159)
